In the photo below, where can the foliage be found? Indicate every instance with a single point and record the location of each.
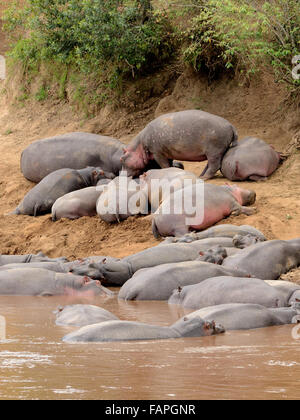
(128, 38)
(244, 36)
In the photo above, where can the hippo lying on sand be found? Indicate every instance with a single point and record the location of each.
(120, 199)
(224, 231)
(250, 158)
(246, 316)
(29, 258)
(158, 283)
(73, 150)
(76, 204)
(267, 260)
(40, 199)
(190, 135)
(159, 183)
(219, 290)
(218, 202)
(41, 282)
(130, 330)
(81, 315)
(117, 272)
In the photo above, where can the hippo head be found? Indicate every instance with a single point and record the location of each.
(294, 300)
(91, 270)
(215, 255)
(196, 327)
(134, 160)
(243, 241)
(244, 197)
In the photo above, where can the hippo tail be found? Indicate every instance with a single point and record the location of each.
(54, 218)
(155, 230)
(234, 141)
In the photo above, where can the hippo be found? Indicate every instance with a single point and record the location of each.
(211, 203)
(158, 183)
(80, 315)
(216, 231)
(243, 241)
(215, 255)
(29, 258)
(41, 282)
(40, 199)
(251, 158)
(228, 289)
(190, 135)
(117, 272)
(131, 330)
(247, 316)
(267, 260)
(73, 150)
(58, 267)
(120, 199)
(158, 283)
(291, 290)
(76, 204)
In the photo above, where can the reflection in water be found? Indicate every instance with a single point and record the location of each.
(35, 364)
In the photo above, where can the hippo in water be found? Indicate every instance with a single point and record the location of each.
(246, 316)
(226, 289)
(73, 150)
(40, 199)
(41, 282)
(131, 330)
(117, 272)
(250, 158)
(28, 258)
(267, 260)
(80, 315)
(76, 204)
(222, 230)
(190, 135)
(212, 202)
(158, 283)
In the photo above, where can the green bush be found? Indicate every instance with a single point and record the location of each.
(126, 37)
(244, 36)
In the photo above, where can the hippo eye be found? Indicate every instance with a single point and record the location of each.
(86, 279)
(185, 318)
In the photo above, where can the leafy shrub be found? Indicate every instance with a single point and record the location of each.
(92, 33)
(244, 36)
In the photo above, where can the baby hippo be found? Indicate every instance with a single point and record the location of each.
(120, 199)
(130, 330)
(76, 204)
(41, 198)
(199, 206)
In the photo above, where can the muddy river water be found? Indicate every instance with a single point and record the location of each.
(36, 364)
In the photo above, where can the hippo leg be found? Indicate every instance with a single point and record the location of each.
(162, 161)
(237, 210)
(258, 178)
(204, 170)
(213, 165)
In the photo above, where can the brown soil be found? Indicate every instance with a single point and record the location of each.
(255, 110)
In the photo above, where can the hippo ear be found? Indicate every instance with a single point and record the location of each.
(206, 326)
(201, 253)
